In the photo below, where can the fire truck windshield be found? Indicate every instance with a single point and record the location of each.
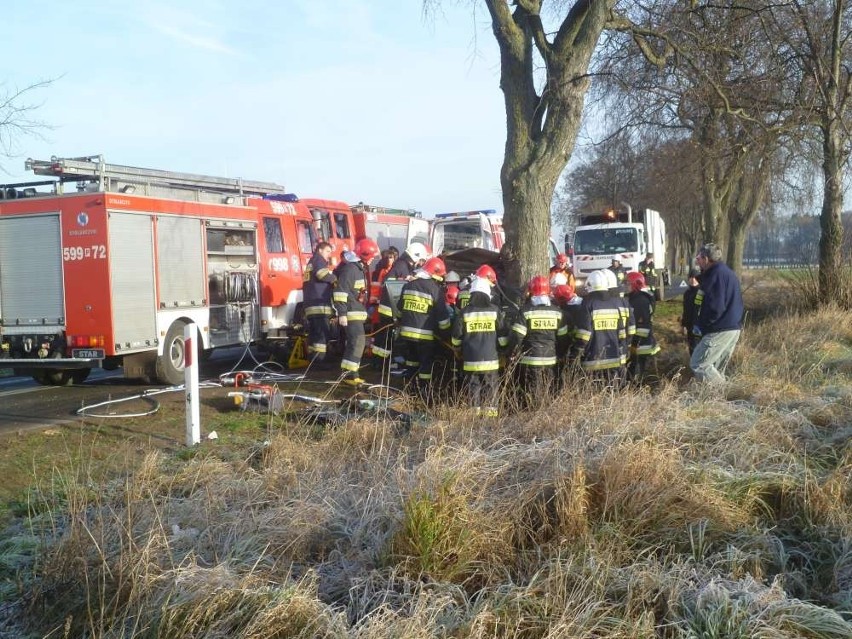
(455, 236)
(605, 241)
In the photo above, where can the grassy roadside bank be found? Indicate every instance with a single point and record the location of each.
(680, 512)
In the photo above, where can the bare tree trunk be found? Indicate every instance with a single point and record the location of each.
(831, 224)
(540, 129)
(736, 244)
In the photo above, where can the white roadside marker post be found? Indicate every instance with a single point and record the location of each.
(190, 384)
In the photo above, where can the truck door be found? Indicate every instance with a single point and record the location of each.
(281, 270)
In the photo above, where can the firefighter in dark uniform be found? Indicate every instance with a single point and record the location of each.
(402, 268)
(569, 349)
(478, 330)
(486, 273)
(643, 344)
(600, 324)
(616, 292)
(649, 271)
(687, 318)
(423, 312)
(414, 255)
(350, 298)
(534, 335)
(318, 282)
(620, 274)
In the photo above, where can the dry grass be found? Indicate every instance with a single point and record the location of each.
(678, 512)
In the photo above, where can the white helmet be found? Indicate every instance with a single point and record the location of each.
(597, 281)
(611, 279)
(480, 285)
(417, 252)
(452, 278)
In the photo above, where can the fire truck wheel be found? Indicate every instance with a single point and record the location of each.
(170, 364)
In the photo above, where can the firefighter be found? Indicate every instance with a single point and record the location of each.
(616, 292)
(414, 256)
(649, 271)
(534, 337)
(318, 282)
(562, 264)
(350, 298)
(643, 343)
(451, 290)
(600, 324)
(422, 313)
(620, 274)
(402, 269)
(478, 332)
(687, 318)
(486, 273)
(569, 348)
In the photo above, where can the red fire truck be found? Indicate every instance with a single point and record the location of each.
(104, 265)
(390, 227)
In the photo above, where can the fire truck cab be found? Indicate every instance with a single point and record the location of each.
(103, 265)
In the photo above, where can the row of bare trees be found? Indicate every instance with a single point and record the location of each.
(734, 94)
(735, 101)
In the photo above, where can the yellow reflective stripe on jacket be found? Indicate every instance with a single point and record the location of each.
(648, 349)
(410, 332)
(357, 316)
(385, 310)
(583, 335)
(481, 367)
(323, 272)
(313, 311)
(529, 360)
(340, 296)
(643, 332)
(520, 329)
(602, 364)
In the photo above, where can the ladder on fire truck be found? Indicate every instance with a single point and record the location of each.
(92, 170)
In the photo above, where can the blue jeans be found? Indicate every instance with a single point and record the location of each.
(712, 354)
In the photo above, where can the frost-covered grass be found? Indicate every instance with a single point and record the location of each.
(677, 511)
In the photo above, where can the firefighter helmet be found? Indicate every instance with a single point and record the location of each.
(611, 278)
(597, 281)
(452, 278)
(562, 261)
(636, 280)
(480, 285)
(538, 286)
(367, 249)
(435, 267)
(487, 273)
(418, 252)
(564, 293)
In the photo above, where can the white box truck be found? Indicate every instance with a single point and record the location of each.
(626, 235)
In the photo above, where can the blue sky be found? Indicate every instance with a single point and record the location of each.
(357, 100)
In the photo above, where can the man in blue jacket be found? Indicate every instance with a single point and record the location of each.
(718, 315)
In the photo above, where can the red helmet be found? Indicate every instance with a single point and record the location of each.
(367, 249)
(488, 273)
(452, 295)
(636, 281)
(435, 267)
(564, 293)
(538, 286)
(562, 261)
